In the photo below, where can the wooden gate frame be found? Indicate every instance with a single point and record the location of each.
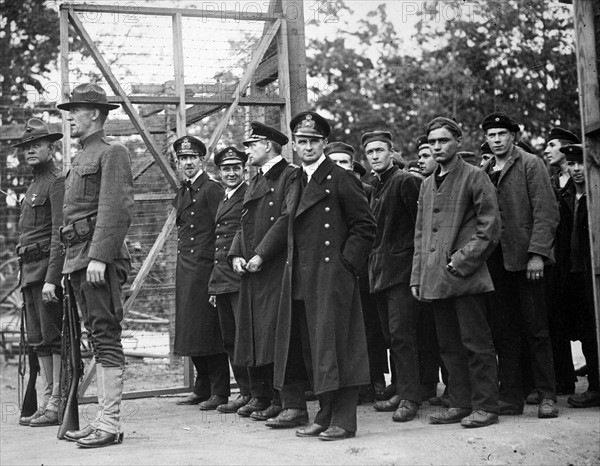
(290, 70)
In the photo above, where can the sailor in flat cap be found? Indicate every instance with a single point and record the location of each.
(41, 260)
(341, 153)
(580, 281)
(394, 205)
(529, 219)
(197, 331)
(426, 160)
(329, 234)
(96, 217)
(485, 153)
(558, 302)
(257, 254)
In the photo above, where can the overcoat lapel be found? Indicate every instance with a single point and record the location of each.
(226, 206)
(315, 191)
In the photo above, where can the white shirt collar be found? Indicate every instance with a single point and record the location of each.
(229, 192)
(270, 164)
(312, 168)
(192, 180)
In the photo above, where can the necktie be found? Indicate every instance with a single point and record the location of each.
(304, 179)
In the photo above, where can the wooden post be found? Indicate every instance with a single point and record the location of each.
(179, 73)
(587, 71)
(64, 86)
(284, 85)
(293, 12)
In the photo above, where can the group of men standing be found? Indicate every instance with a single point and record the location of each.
(268, 272)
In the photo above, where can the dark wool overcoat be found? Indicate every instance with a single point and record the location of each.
(331, 229)
(229, 213)
(197, 330)
(262, 231)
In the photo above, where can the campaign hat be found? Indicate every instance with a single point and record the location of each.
(88, 94)
(35, 130)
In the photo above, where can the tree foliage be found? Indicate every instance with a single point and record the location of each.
(513, 56)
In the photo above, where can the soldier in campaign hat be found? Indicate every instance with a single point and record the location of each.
(197, 331)
(559, 314)
(330, 230)
(529, 218)
(41, 259)
(96, 217)
(257, 255)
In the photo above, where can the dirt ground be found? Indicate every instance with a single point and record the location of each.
(159, 432)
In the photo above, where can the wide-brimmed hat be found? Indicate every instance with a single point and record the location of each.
(36, 129)
(89, 94)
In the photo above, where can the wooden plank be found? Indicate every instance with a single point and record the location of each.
(587, 71)
(297, 55)
(243, 84)
(246, 12)
(284, 86)
(179, 74)
(127, 105)
(221, 99)
(65, 86)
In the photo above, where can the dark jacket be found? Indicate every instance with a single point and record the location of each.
(528, 209)
(99, 184)
(458, 222)
(394, 205)
(330, 234)
(197, 331)
(262, 231)
(229, 213)
(41, 219)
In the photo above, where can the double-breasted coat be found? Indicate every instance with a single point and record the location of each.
(529, 209)
(197, 331)
(262, 231)
(394, 205)
(458, 221)
(229, 213)
(330, 233)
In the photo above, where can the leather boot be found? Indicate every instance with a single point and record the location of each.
(48, 418)
(25, 420)
(110, 389)
(55, 396)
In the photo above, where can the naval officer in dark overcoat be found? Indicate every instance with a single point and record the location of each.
(197, 331)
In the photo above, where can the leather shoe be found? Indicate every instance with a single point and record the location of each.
(75, 435)
(449, 416)
(255, 404)
(99, 438)
(49, 418)
(533, 398)
(291, 417)
(582, 371)
(311, 431)
(547, 410)
(192, 399)
(234, 405)
(388, 405)
(336, 433)
(212, 403)
(587, 399)
(407, 411)
(509, 409)
(25, 420)
(265, 414)
(479, 418)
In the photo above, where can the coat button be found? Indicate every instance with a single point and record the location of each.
(272, 190)
(191, 239)
(326, 225)
(217, 236)
(216, 262)
(327, 259)
(271, 203)
(435, 211)
(192, 251)
(193, 200)
(327, 191)
(327, 243)
(327, 209)
(432, 250)
(218, 224)
(328, 177)
(178, 251)
(224, 236)
(272, 219)
(216, 249)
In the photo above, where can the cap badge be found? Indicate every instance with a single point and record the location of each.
(230, 152)
(186, 144)
(308, 122)
(497, 119)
